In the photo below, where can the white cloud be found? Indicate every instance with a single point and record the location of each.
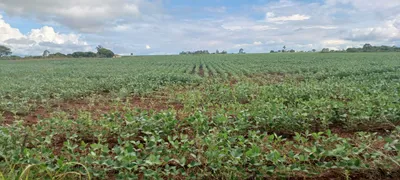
(47, 34)
(254, 44)
(7, 32)
(271, 17)
(335, 42)
(367, 4)
(319, 27)
(37, 40)
(82, 15)
(388, 30)
(251, 27)
(221, 9)
(122, 27)
(129, 26)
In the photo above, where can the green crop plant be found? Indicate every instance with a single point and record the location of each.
(253, 116)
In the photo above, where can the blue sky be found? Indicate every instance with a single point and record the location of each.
(170, 26)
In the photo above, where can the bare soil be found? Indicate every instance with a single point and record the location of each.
(201, 71)
(97, 109)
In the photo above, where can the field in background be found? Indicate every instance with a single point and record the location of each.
(297, 115)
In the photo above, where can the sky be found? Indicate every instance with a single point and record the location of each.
(150, 27)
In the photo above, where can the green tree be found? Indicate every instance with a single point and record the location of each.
(46, 53)
(103, 52)
(325, 50)
(367, 47)
(5, 51)
(241, 51)
(57, 55)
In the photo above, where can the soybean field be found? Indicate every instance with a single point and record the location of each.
(242, 116)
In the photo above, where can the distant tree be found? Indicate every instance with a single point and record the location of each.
(217, 52)
(131, 54)
(313, 50)
(103, 52)
(46, 53)
(60, 54)
(99, 47)
(325, 50)
(279, 51)
(367, 47)
(84, 55)
(384, 48)
(78, 54)
(292, 51)
(272, 51)
(5, 51)
(224, 52)
(195, 52)
(241, 51)
(14, 57)
(91, 54)
(57, 55)
(284, 49)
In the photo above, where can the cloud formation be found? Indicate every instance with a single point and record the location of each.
(82, 15)
(127, 26)
(38, 40)
(271, 17)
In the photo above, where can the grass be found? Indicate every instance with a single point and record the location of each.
(272, 116)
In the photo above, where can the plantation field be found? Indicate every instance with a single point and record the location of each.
(254, 116)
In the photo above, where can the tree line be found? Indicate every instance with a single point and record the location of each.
(6, 53)
(202, 52)
(366, 48)
(284, 50)
(370, 48)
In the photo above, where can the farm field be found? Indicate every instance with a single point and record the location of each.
(253, 116)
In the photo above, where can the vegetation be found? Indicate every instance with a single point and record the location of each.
(5, 51)
(103, 52)
(370, 48)
(84, 55)
(194, 52)
(366, 48)
(59, 55)
(273, 116)
(201, 52)
(46, 53)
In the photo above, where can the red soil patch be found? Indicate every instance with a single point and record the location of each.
(201, 71)
(337, 174)
(101, 106)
